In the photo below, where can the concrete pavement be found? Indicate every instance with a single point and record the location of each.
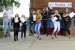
(60, 43)
(32, 43)
(21, 44)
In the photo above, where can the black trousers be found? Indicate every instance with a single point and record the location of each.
(23, 30)
(45, 27)
(66, 27)
(30, 28)
(16, 30)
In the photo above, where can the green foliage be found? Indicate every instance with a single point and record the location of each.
(4, 3)
(1, 27)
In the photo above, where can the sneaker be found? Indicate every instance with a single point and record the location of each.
(39, 38)
(9, 35)
(55, 35)
(14, 39)
(46, 35)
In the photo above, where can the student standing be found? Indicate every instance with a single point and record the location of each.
(16, 26)
(67, 22)
(23, 27)
(46, 15)
(56, 23)
(32, 21)
(7, 20)
(38, 23)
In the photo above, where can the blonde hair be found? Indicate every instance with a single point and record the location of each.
(23, 15)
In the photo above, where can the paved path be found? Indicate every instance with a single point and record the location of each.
(61, 43)
(32, 43)
(10, 44)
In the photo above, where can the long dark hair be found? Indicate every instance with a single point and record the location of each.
(67, 10)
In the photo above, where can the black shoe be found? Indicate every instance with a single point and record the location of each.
(14, 39)
(24, 37)
(17, 39)
(9, 35)
(4, 36)
(55, 36)
(39, 38)
(52, 38)
(32, 34)
(46, 35)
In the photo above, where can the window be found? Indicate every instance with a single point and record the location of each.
(1, 21)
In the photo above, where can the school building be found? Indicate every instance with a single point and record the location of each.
(59, 5)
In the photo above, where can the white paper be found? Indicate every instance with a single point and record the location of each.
(22, 19)
(16, 19)
(71, 14)
(34, 17)
(54, 19)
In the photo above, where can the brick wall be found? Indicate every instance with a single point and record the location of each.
(40, 4)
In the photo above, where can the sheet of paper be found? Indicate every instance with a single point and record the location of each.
(54, 19)
(16, 19)
(34, 17)
(71, 14)
(22, 19)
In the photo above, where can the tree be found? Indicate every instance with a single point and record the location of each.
(4, 3)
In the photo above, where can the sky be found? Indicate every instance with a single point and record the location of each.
(23, 9)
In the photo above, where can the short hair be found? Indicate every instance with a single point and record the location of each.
(6, 6)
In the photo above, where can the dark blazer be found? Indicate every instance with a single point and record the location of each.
(16, 25)
(31, 18)
(47, 14)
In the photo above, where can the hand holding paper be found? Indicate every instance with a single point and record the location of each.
(54, 19)
(22, 20)
(71, 14)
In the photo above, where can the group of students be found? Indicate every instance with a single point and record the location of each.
(16, 23)
(35, 22)
(46, 13)
(16, 26)
(7, 16)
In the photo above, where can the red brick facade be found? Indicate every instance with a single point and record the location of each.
(40, 4)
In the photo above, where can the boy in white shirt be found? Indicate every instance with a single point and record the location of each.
(7, 20)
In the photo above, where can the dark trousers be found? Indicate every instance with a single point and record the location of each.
(31, 26)
(45, 27)
(66, 26)
(23, 30)
(16, 30)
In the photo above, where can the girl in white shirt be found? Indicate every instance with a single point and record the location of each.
(23, 27)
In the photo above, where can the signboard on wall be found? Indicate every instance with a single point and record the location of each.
(60, 4)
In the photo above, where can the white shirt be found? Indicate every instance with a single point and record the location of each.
(16, 19)
(34, 17)
(8, 14)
